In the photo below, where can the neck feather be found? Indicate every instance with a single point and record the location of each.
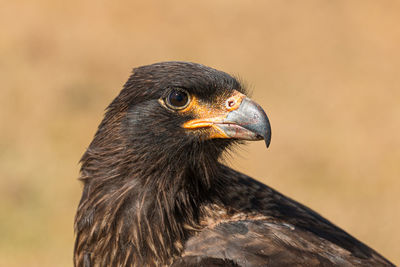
(139, 209)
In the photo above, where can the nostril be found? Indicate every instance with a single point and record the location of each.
(230, 103)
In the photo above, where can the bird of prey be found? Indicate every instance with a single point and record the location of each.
(157, 194)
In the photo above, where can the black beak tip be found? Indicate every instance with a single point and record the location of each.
(267, 136)
(265, 125)
(267, 141)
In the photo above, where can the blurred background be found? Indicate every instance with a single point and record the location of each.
(326, 72)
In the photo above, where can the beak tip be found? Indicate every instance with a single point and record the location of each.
(267, 135)
(267, 142)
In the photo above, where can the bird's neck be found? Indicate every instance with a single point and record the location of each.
(143, 209)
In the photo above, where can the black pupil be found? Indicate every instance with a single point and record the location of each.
(178, 98)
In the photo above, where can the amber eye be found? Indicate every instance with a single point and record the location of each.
(177, 99)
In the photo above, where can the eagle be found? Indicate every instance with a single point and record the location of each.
(157, 192)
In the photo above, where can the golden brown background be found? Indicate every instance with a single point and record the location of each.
(326, 72)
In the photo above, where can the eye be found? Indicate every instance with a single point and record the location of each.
(177, 99)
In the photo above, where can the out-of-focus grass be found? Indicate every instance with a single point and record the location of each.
(326, 72)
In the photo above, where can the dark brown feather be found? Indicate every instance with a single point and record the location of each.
(155, 195)
(258, 226)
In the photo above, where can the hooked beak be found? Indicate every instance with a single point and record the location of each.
(245, 120)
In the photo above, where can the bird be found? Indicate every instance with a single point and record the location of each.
(157, 191)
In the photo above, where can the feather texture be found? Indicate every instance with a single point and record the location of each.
(156, 195)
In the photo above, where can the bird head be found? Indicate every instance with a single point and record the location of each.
(176, 112)
(175, 104)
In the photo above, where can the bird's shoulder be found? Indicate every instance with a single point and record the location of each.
(266, 243)
(254, 225)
